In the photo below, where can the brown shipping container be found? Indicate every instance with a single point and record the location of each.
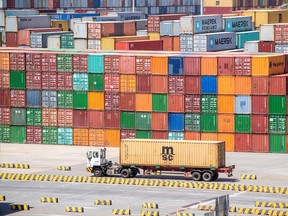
(144, 102)
(111, 101)
(209, 65)
(112, 82)
(243, 142)
(286, 64)
(259, 104)
(159, 84)
(159, 135)
(80, 137)
(65, 117)
(49, 117)
(260, 85)
(4, 78)
(154, 20)
(5, 97)
(192, 103)
(33, 62)
(80, 118)
(18, 98)
(176, 43)
(226, 65)
(96, 119)
(127, 65)
(192, 135)
(226, 123)
(112, 119)
(266, 46)
(192, 65)
(176, 84)
(154, 45)
(64, 81)
(4, 61)
(143, 83)
(5, 116)
(243, 85)
(143, 64)
(49, 80)
(186, 153)
(97, 30)
(127, 102)
(209, 136)
(33, 135)
(112, 138)
(243, 65)
(260, 143)
(260, 124)
(129, 28)
(80, 62)
(159, 121)
(96, 137)
(128, 134)
(111, 63)
(49, 62)
(11, 39)
(229, 139)
(175, 103)
(17, 61)
(278, 84)
(192, 85)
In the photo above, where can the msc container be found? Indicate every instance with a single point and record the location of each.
(5, 133)
(159, 102)
(33, 98)
(277, 124)
(65, 136)
(65, 99)
(65, 117)
(192, 122)
(242, 37)
(237, 23)
(209, 122)
(80, 82)
(277, 143)
(17, 79)
(242, 104)
(242, 123)
(143, 121)
(260, 143)
(143, 102)
(170, 28)
(18, 134)
(5, 116)
(49, 135)
(34, 135)
(154, 45)
(209, 104)
(95, 119)
(95, 63)
(192, 103)
(18, 116)
(127, 120)
(277, 104)
(175, 135)
(260, 124)
(96, 137)
(208, 85)
(80, 100)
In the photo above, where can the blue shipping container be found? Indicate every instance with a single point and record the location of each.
(65, 136)
(175, 135)
(242, 104)
(176, 122)
(95, 63)
(242, 37)
(209, 85)
(175, 65)
(33, 98)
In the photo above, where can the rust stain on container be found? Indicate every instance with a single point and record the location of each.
(64, 81)
(33, 135)
(243, 85)
(226, 65)
(80, 62)
(95, 119)
(112, 119)
(243, 142)
(127, 83)
(176, 84)
(159, 65)
(96, 137)
(260, 143)
(127, 102)
(127, 65)
(226, 85)
(65, 117)
(144, 102)
(128, 134)
(49, 117)
(159, 121)
(80, 137)
(226, 123)
(159, 135)
(143, 84)
(192, 65)
(111, 138)
(4, 78)
(192, 85)
(80, 118)
(159, 84)
(260, 85)
(229, 141)
(111, 101)
(33, 62)
(209, 65)
(259, 104)
(176, 103)
(143, 64)
(192, 135)
(49, 80)
(18, 98)
(260, 124)
(192, 103)
(49, 62)
(5, 116)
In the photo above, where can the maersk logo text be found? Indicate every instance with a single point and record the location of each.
(222, 41)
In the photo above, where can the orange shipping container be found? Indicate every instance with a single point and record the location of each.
(127, 83)
(226, 103)
(144, 102)
(229, 139)
(96, 137)
(243, 85)
(111, 138)
(159, 121)
(226, 123)
(192, 135)
(176, 43)
(159, 65)
(4, 61)
(80, 137)
(127, 65)
(268, 65)
(209, 65)
(209, 136)
(159, 84)
(171, 43)
(96, 100)
(226, 85)
(176, 103)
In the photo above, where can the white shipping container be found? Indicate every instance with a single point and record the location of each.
(80, 30)
(281, 48)
(2, 18)
(251, 46)
(170, 28)
(186, 42)
(80, 44)
(94, 44)
(267, 32)
(141, 33)
(54, 42)
(2, 30)
(72, 23)
(3, 4)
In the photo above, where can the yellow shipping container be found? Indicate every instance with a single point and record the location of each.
(250, 13)
(243, 85)
(80, 137)
(127, 83)
(159, 65)
(229, 140)
(221, 3)
(226, 123)
(226, 103)
(209, 65)
(111, 138)
(108, 43)
(144, 102)
(96, 137)
(154, 35)
(64, 24)
(4, 61)
(267, 65)
(270, 17)
(96, 100)
(226, 85)
(200, 154)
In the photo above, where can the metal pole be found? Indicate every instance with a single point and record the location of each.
(201, 7)
(133, 5)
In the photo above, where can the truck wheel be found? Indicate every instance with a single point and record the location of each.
(196, 176)
(207, 176)
(97, 172)
(215, 176)
(133, 172)
(125, 173)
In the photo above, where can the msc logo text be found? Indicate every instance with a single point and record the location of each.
(167, 153)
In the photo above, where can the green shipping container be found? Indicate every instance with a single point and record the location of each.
(209, 104)
(65, 136)
(96, 82)
(17, 79)
(192, 122)
(143, 121)
(277, 124)
(18, 116)
(127, 120)
(5, 134)
(277, 104)
(159, 102)
(65, 99)
(50, 135)
(242, 37)
(67, 41)
(208, 122)
(143, 134)
(277, 143)
(80, 100)
(80, 81)
(64, 63)
(34, 116)
(18, 134)
(95, 63)
(175, 135)
(242, 123)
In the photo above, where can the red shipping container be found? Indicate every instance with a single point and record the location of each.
(259, 85)
(112, 82)
(281, 33)
(192, 135)
(112, 119)
(5, 97)
(266, 46)
(65, 117)
(49, 117)
(192, 85)
(112, 101)
(175, 103)
(159, 135)
(80, 62)
(17, 61)
(11, 39)
(11, 4)
(64, 81)
(96, 119)
(176, 84)
(143, 84)
(159, 121)
(260, 104)
(80, 119)
(260, 124)
(49, 62)
(4, 79)
(154, 45)
(128, 134)
(127, 102)
(260, 143)
(33, 80)
(97, 30)
(18, 98)
(192, 103)
(192, 65)
(5, 116)
(226, 65)
(168, 44)
(218, 10)
(154, 20)
(33, 62)
(33, 135)
(143, 64)
(243, 65)
(127, 65)
(129, 28)
(159, 84)
(111, 63)
(278, 84)
(49, 80)
(243, 142)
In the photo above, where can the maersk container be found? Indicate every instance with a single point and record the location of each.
(237, 23)
(80, 81)
(209, 122)
(50, 135)
(127, 120)
(201, 24)
(18, 134)
(276, 104)
(34, 116)
(65, 99)
(5, 134)
(141, 134)
(170, 28)
(143, 121)
(242, 104)
(17, 79)
(95, 63)
(15, 23)
(80, 100)
(242, 123)
(208, 85)
(65, 136)
(192, 122)
(33, 98)
(209, 104)
(176, 122)
(96, 82)
(277, 143)
(18, 116)
(172, 135)
(159, 102)
(49, 99)
(186, 42)
(175, 65)
(214, 42)
(242, 37)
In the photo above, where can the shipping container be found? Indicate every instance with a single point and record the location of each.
(127, 102)
(172, 135)
(243, 142)
(54, 42)
(243, 85)
(192, 85)
(143, 121)
(242, 123)
(266, 46)
(226, 104)
(95, 119)
(242, 37)
(11, 39)
(209, 103)
(259, 104)
(112, 138)
(5, 116)
(260, 143)
(18, 116)
(49, 80)
(128, 134)
(242, 104)
(159, 65)
(277, 143)
(4, 61)
(112, 82)
(64, 63)
(111, 101)
(278, 85)
(192, 122)
(81, 30)
(277, 124)
(17, 79)
(175, 65)
(49, 135)
(80, 118)
(5, 97)
(154, 45)
(33, 135)
(65, 136)
(127, 83)
(251, 46)
(208, 85)
(34, 98)
(95, 63)
(260, 124)
(226, 65)
(176, 84)
(160, 121)
(260, 85)
(62, 24)
(192, 136)
(80, 100)
(49, 62)
(159, 102)
(268, 65)
(209, 136)
(108, 43)
(143, 64)
(33, 62)
(238, 23)
(65, 117)
(96, 137)
(96, 100)
(143, 102)
(49, 99)
(39, 39)
(49, 117)
(80, 81)
(96, 82)
(226, 85)
(18, 134)
(226, 123)
(127, 120)
(64, 81)
(277, 104)
(192, 103)
(243, 65)
(176, 103)
(159, 84)
(80, 137)
(229, 139)
(209, 122)
(186, 42)
(112, 119)
(159, 135)
(154, 21)
(170, 28)
(5, 134)
(18, 98)
(143, 83)
(209, 65)
(65, 99)
(67, 42)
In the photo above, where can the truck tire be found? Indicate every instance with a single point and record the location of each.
(196, 176)
(215, 176)
(125, 173)
(207, 176)
(133, 172)
(97, 172)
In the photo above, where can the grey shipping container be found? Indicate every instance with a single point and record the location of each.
(237, 23)
(103, 18)
(128, 15)
(186, 42)
(169, 28)
(40, 39)
(33, 98)
(49, 99)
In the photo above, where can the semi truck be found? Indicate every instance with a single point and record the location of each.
(198, 160)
